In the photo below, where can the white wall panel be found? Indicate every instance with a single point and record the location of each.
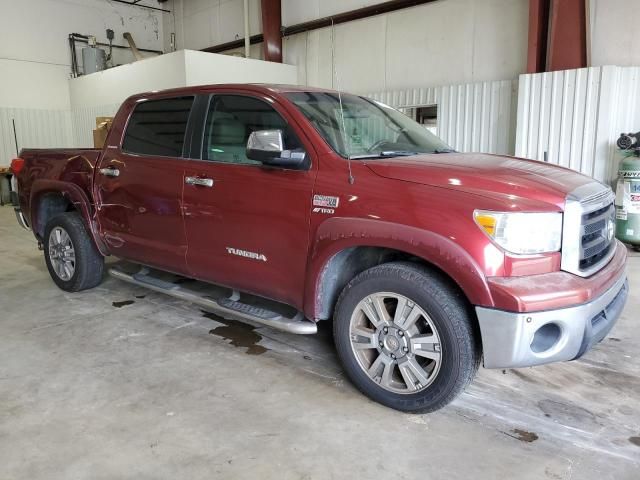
(439, 43)
(476, 117)
(34, 52)
(200, 24)
(614, 32)
(34, 129)
(573, 117)
(83, 121)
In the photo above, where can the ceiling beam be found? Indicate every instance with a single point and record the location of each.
(135, 3)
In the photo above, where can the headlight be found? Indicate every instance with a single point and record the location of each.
(522, 233)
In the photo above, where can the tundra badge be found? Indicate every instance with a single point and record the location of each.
(246, 254)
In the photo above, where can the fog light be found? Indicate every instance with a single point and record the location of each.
(545, 337)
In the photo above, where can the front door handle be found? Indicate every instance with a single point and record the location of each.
(203, 182)
(109, 171)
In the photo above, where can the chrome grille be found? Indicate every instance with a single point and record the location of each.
(588, 240)
(597, 236)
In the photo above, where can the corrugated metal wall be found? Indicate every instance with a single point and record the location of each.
(475, 117)
(34, 128)
(83, 121)
(573, 117)
(48, 128)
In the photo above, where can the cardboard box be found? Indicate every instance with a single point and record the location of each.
(102, 120)
(103, 124)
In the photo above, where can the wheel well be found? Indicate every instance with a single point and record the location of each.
(50, 205)
(348, 263)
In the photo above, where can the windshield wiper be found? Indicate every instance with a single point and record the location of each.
(444, 150)
(385, 154)
(397, 153)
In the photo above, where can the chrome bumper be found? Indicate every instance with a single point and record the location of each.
(512, 340)
(21, 220)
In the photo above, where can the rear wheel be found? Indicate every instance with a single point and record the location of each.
(72, 258)
(406, 337)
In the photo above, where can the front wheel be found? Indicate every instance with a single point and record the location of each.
(72, 258)
(406, 337)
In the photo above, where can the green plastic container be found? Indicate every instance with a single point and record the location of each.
(628, 202)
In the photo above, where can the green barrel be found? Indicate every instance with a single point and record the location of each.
(628, 201)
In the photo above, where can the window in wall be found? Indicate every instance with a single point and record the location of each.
(157, 127)
(230, 121)
(428, 116)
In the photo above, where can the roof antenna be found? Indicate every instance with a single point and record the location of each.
(342, 125)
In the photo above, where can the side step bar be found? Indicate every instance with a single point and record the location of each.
(227, 306)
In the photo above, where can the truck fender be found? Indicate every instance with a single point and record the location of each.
(74, 195)
(337, 236)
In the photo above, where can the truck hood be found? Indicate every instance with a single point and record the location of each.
(524, 184)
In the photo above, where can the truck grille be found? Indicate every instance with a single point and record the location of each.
(588, 240)
(597, 236)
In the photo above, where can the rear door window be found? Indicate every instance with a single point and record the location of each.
(158, 127)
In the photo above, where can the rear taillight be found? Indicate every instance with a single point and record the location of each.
(16, 165)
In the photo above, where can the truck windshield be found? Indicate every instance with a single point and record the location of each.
(365, 128)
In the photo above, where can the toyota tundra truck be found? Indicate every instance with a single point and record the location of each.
(306, 205)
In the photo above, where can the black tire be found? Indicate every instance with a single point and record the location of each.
(89, 263)
(450, 313)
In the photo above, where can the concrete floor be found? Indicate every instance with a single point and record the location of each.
(120, 382)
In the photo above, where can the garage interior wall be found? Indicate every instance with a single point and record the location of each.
(615, 38)
(474, 117)
(573, 117)
(35, 62)
(447, 42)
(462, 55)
(101, 94)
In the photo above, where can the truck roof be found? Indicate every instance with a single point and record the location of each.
(252, 87)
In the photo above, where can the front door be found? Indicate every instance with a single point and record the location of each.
(247, 224)
(139, 186)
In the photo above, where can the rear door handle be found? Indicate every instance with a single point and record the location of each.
(109, 171)
(203, 182)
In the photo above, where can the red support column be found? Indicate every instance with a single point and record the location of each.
(567, 35)
(271, 29)
(538, 30)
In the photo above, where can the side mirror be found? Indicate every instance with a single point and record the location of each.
(267, 146)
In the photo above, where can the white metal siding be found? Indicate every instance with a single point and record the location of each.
(83, 121)
(476, 117)
(34, 129)
(573, 117)
(48, 128)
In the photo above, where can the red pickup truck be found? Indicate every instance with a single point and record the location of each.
(335, 206)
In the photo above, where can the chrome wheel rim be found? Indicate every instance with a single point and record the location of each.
(395, 342)
(62, 255)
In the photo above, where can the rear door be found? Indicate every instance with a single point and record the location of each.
(247, 225)
(139, 186)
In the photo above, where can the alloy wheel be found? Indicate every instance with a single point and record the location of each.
(395, 342)
(62, 254)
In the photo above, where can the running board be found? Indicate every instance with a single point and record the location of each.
(227, 306)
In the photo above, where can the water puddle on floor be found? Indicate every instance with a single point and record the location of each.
(522, 435)
(240, 334)
(122, 303)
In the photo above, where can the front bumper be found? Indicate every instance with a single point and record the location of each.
(512, 339)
